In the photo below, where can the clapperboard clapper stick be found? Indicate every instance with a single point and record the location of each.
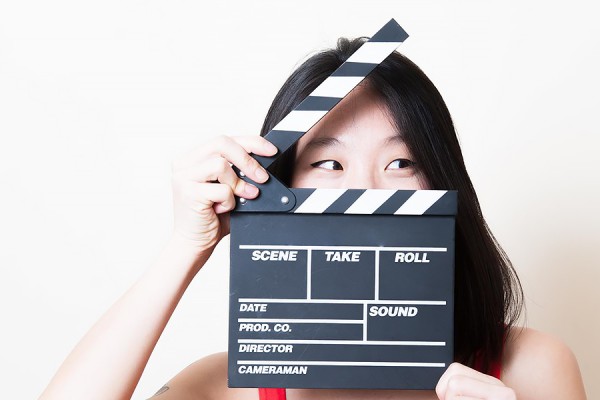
(341, 288)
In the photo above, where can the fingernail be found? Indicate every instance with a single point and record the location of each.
(250, 190)
(270, 148)
(261, 174)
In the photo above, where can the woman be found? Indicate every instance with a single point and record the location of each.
(393, 131)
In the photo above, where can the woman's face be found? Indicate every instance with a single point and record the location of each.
(355, 147)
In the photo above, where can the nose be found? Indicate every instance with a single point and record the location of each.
(361, 178)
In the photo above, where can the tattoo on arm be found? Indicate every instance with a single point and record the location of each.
(160, 391)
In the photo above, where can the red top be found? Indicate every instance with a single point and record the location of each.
(279, 394)
(271, 394)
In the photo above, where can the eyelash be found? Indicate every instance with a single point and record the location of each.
(405, 163)
(319, 164)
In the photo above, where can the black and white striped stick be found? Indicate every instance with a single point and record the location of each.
(274, 196)
(333, 89)
(375, 201)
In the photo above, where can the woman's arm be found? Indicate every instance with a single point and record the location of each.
(109, 360)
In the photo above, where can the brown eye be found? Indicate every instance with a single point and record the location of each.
(400, 163)
(328, 164)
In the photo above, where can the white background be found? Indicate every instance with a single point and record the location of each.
(97, 98)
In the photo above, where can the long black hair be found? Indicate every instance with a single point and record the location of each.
(488, 294)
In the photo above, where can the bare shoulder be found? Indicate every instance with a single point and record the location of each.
(205, 379)
(540, 366)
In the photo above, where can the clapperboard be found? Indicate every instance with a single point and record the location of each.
(341, 288)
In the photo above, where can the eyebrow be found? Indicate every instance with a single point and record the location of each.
(394, 139)
(321, 142)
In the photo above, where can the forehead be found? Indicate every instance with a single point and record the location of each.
(360, 116)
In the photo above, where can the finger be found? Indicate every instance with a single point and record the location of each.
(221, 208)
(250, 144)
(216, 195)
(218, 169)
(461, 387)
(233, 152)
(256, 144)
(459, 369)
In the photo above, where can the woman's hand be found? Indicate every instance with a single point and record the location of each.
(108, 362)
(204, 185)
(463, 383)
